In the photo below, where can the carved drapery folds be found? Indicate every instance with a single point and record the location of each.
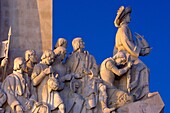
(76, 84)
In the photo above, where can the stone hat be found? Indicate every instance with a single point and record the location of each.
(121, 13)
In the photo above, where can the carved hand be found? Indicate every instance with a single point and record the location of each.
(129, 64)
(4, 62)
(68, 77)
(19, 109)
(86, 71)
(47, 71)
(29, 104)
(109, 110)
(38, 104)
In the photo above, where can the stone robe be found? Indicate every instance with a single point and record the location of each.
(38, 69)
(139, 71)
(51, 98)
(19, 91)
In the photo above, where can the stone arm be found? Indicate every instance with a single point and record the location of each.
(33, 93)
(94, 67)
(37, 75)
(9, 88)
(143, 44)
(111, 66)
(127, 44)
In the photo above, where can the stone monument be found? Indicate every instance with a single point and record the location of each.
(41, 81)
(31, 24)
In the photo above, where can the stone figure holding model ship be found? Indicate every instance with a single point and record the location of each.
(120, 84)
(136, 81)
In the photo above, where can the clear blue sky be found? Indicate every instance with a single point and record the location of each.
(93, 21)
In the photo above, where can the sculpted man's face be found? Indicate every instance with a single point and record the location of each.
(49, 60)
(81, 44)
(120, 61)
(22, 65)
(33, 58)
(127, 18)
(53, 84)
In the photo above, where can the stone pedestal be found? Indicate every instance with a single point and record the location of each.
(151, 105)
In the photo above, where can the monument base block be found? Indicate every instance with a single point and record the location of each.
(153, 104)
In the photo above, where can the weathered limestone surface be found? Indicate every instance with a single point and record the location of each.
(75, 85)
(151, 105)
(31, 23)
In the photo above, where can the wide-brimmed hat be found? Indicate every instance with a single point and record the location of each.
(121, 13)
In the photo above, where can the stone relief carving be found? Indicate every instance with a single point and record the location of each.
(136, 81)
(108, 71)
(78, 84)
(21, 96)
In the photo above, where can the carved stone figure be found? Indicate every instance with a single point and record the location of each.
(95, 92)
(126, 44)
(109, 69)
(21, 95)
(51, 96)
(61, 42)
(58, 65)
(124, 39)
(74, 85)
(31, 60)
(3, 64)
(65, 79)
(81, 60)
(42, 71)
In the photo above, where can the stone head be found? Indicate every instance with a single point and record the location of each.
(78, 43)
(61, 42)
(123, 15)
(120, 58)
(48, 57)
(60, 53)
(19, 64)
(53, 84)
(30, 55)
